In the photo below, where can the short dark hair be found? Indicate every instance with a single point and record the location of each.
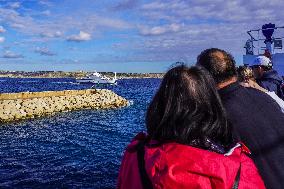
(221, 68)
(187, 108)
(266, 68)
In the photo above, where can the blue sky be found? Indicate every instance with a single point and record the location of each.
(125, 35)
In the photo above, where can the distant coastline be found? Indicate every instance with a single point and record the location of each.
(79, 74)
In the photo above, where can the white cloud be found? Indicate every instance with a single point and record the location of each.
(51, 34)
(15, 5)
(30, 23)
(12, 18)
(159, 30)
(155, 6)
(2, 30)
(94, 22)
(125, 5)
(82, 36)
(45, 3)
(44, 51)
(18, 26)
(10, 54)
(46, 12)
(2, 39)
(206, 10)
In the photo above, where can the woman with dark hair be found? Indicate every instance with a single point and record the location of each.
(189, 142)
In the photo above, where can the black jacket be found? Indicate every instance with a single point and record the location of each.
(272, 82)
(258, 122)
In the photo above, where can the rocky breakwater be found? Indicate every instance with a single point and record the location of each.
(17, 106)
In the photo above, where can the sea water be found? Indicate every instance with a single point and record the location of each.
(78, 149)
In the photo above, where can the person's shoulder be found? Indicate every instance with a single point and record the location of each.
(262, 97)
(250, 96)
(254, 91)
(267, 82)
(250, 93)
(271, 77)
(257, 93)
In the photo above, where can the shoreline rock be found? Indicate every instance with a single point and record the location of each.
(18, 106)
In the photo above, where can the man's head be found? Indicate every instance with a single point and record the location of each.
(219, 63)
(260, 65)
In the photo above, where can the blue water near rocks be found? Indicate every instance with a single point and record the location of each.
(79, 149)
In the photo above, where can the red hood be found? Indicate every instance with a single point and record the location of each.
(173, 165)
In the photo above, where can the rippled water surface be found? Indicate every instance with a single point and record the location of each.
(79, 149)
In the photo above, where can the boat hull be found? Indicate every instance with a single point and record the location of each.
(86, 81)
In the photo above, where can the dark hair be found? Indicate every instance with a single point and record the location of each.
(219, 63)
(187, 109)
(266, 68)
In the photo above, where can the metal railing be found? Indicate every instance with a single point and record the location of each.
(256, 37)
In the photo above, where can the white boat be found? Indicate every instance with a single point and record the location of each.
(97, 78)
(266, 41)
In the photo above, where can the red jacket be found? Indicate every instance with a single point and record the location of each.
(174, 165)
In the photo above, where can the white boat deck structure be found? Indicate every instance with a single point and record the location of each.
(257, 44)
(97, 78)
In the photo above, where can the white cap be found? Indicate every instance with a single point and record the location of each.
(261, 61)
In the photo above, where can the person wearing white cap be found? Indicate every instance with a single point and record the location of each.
(246, 79)
(266, 77)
